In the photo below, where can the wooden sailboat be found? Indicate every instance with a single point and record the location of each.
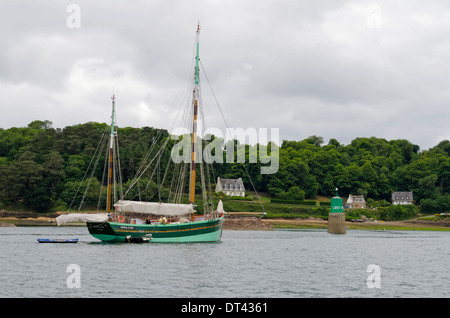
(177, 222)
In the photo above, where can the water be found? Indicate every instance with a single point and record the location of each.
(247, 264)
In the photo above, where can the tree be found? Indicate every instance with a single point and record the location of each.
(353, 183)
(53, 169)
(21, 182)
(75, 167)
(315, 140)
(370, 179)
(384, 186)
(444, 145)
(427, 187)
(408, 149)
(40, 124)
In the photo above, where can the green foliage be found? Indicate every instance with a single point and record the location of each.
(299, 202)
(241, 198)
(42, 167)
(438, 205)
(293, 194)
(358, 213)
(397, 212)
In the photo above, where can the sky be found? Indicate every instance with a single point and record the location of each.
(331, 68)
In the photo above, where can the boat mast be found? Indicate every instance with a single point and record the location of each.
(111, 146)
(194, 126)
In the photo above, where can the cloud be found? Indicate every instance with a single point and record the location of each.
(337, 69)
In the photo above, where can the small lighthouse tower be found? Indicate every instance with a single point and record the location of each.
(336, 218)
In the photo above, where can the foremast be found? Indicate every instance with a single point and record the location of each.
(195, 98)
(111, 151)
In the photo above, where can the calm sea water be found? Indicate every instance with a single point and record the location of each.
(248, 264)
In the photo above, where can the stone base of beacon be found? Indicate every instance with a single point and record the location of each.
(336, 223)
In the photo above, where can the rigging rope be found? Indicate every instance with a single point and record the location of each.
(99, 146)
(226, 124)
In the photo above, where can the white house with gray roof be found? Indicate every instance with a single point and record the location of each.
(402, 197)
(231, 187)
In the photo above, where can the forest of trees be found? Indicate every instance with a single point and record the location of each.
(41, 167)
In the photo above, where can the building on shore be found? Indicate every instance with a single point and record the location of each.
(355, 202)
(402, 198)
(231, 187)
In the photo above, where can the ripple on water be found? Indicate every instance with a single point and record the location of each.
(291, 264)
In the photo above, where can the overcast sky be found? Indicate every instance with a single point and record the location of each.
(337, 69)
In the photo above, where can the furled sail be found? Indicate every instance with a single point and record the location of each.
(220, 207)
(81, 218)
(165, 209)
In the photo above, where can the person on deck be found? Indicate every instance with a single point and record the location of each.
(162, 220)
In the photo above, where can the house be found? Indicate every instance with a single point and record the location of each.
(356, 202)
(231, 187)
(402, 197)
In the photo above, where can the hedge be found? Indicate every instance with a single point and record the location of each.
(397, 212)
(293, 202)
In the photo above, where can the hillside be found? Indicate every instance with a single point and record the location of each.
(42, 168)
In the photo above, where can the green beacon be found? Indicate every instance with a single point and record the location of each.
(336, 204)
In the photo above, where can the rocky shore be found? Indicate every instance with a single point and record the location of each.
(248, 223)
(258, 224)
(317, 223)
(5, 224)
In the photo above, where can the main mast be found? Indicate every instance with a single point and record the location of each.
(194, 124)
(111, 148)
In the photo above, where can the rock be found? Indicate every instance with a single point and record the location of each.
(4, 224)
(253, 224)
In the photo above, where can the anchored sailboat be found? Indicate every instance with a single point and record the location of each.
(172, 222)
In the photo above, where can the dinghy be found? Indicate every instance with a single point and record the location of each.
(57, 240)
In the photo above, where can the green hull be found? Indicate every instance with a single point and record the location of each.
(198, 231)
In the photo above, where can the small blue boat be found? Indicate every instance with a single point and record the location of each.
(58, 240)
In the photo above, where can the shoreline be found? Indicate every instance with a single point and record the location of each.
(404, 225)
(257, 224)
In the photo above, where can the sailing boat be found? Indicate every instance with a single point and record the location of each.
(183, 226)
